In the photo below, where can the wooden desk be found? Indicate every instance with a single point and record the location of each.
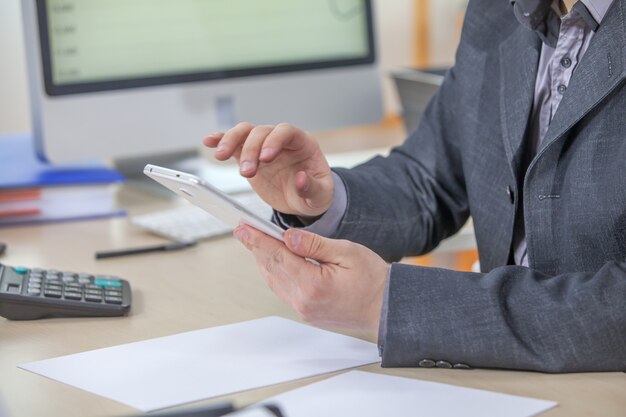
(212, 284)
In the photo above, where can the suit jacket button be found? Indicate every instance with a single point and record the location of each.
(427, 363)
(443, 364)
(461, 366)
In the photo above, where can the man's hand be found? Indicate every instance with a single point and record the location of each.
(284, 165)
(345, 290)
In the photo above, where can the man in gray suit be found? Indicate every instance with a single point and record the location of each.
(528, 135)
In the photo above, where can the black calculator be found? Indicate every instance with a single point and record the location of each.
(28, 294)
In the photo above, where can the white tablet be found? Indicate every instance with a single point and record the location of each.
(212, 200)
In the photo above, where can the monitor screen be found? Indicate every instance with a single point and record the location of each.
(101, 45)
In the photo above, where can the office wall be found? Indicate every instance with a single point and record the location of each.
(395, 39)
(396, 43)
(445, 18)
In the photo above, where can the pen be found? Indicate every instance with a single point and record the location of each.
(148, 249)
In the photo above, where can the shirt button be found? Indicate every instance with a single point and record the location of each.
(562, 89)
(566, 62)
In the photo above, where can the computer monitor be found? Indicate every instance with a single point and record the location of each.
(129, 78)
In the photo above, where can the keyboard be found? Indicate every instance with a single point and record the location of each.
(189, 223)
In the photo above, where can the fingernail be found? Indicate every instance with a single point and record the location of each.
(241, 234)
(246, 166)
(266, 153)
(295, 238)
(221, 147)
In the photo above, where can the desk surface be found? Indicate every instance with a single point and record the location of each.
(212, 284)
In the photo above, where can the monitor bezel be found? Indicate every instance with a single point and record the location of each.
(54, 90)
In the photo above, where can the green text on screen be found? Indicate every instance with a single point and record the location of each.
(108, 40)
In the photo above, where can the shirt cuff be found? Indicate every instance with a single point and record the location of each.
(382, 327)
(328, 223)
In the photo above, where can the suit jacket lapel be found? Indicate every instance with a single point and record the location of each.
(519, 59)
(601, 70)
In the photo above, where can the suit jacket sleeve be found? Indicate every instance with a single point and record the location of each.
(512, 317)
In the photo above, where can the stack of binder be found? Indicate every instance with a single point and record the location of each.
(33, 192)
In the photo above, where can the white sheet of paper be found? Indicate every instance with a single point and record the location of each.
(365, 394)
(192, 366)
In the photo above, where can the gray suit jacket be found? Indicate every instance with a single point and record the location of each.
(567, 312)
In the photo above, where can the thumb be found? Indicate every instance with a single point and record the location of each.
(317, 192)
(310, 245)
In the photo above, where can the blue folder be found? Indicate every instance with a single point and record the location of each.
(20, 167)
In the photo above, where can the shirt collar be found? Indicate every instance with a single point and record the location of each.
(544, 17)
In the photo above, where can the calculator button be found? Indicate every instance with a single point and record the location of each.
(73, 296)
(34, 280)
(113, 293)
(93, 298)
(108, 283)
(113, 300)
(93, 292)
(52, 277)
(84, 280)
(37, 271)
(36, 287)
(52, 272)
(20, 270)
(107, 277)
(111, 277)
(73, 287)
(68, 279)
(34, 291)
(35, 275)
(52, 293)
